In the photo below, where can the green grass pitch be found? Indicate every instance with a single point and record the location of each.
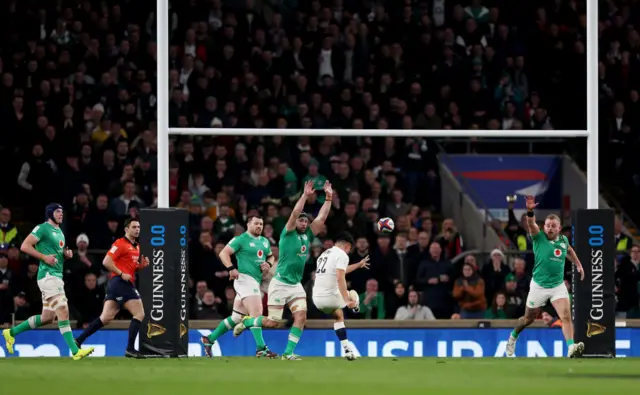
(367, 376)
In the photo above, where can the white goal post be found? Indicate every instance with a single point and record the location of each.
(162, 31)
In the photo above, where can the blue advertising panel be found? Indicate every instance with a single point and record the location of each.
(488, 179)
(367, 343)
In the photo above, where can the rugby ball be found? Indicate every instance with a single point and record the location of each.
(386, 225)
(353, 296)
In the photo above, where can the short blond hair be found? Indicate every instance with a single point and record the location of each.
(553, 217)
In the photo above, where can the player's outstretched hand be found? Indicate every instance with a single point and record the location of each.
(233, 274)
(328, 190)
(309, 189)
(50, 260)
(68, 254)
(126, 277)
(364, 264)
(530, 203)
(264, 266)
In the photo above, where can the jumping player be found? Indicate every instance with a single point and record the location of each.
(253, 255)
(330, 294)
(122, 260)
(46, 243)
(285, 288)
(550, 248)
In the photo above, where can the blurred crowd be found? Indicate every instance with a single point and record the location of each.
(78, 108)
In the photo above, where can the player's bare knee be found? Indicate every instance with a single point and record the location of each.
(107, 316)
(62, 312)
(564, 316)
(139, 316)
(47, 317)
(300, 319)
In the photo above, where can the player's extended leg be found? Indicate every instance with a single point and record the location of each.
(135, 307)
(529, 317)
(563, 308)
(341, 332)
(59, 303)
(253, 304)
(298, 307)
(33, 322)
(224, 326)
(109, 311)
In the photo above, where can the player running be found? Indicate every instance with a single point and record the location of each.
(285, 288)
(550, 249)
(330, 294)
(46, 243)
(122, 260)
(253, 254)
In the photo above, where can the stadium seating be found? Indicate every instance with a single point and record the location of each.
(78, 108)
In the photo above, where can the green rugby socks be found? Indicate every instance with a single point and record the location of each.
(223, 327)
(294, 337)
(65, 329)
(33, 322)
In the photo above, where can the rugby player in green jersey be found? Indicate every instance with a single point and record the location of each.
(253, 255)
(550, 248)
(47, 244)
(285, 288)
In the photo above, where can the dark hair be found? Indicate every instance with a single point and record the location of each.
(251, 217)
(344, 237)
(128, 221)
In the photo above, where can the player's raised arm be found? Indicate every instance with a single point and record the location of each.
(318, 223)
(297, 209)
(530, 203)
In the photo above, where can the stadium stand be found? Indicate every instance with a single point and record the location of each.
(78, 110)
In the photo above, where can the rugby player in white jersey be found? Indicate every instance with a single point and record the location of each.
(330, 294)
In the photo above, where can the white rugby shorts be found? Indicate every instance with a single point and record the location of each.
(280, 294)
(539, 296)
(50, 286)
(329, 303)
(246, 286)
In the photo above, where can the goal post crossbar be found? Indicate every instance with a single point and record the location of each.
(378, 133)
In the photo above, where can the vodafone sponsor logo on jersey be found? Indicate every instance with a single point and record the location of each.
(260, 253)
(557, 252)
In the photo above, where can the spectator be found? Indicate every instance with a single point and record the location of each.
(433, 279)
(450, 239)
(413, 310)
(208, 310)
(551, 321)
(8, 231)
(498, 308)
(89, 300)
(494, 273)
(516, 298)
(372, 302)
(7, 288)
(468, 290)
(22, 308)
(628, 284)
(396, 300)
